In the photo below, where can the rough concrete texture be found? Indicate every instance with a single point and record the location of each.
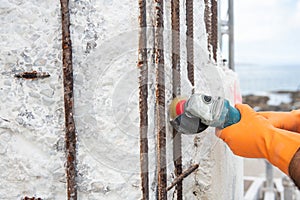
(106, 98)
(220, 172)
(107, 108)
(105, 42)
(31, 111)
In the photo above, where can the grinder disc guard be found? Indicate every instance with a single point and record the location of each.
(188, 125)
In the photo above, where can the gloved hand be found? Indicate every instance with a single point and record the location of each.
(284, 120)
(255, 137)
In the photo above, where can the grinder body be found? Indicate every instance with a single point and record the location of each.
(198, 112)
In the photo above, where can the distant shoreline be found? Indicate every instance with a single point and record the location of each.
(287, 101)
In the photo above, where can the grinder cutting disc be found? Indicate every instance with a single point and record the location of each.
(182, 122)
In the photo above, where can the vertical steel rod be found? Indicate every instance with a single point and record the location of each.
(143, 102)
(177, 155)
(214, 28)
(190, 41)
(220, 26)
(211, 23)
(160, 101)
(231, 34)
(70, 134)
(207, 20)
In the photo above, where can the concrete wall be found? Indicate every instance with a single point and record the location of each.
(31, 111)
(105, 42)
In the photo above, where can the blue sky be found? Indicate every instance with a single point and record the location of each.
(267, 31)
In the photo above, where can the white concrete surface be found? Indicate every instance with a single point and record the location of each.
(31, 111)
(104, 36)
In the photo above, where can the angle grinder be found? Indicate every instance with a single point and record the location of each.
(195, 114)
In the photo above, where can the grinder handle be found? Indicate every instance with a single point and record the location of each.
(233, 115)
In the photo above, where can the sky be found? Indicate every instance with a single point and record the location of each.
(267, 31)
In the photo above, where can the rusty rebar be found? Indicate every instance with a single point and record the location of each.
(190, 40)
(177, 155)
(31, 198)
(143, 102)
(160, 101)
(208, 24)
(185, 174)
(214, 28)
(32, 75)
(70, 131)
(211, 23)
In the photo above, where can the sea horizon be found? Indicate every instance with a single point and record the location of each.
(267, 78)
